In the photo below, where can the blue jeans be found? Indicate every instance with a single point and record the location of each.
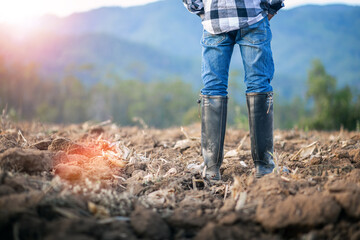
(254, 42)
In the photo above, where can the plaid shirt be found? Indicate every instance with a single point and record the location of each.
(219, 16)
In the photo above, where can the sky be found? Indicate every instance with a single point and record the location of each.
(22, 11)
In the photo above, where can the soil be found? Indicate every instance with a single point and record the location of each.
(102, 181)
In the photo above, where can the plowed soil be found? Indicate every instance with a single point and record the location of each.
(107, 182)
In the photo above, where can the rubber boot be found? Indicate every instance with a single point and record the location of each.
(260, 109)
(213, 126)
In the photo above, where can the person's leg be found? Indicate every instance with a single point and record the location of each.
(259, 69)
(216, 56)
(255, 48)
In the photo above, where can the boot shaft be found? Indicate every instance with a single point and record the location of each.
(260, 110)
(213, 127)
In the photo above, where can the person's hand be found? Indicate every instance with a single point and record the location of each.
(270, 16)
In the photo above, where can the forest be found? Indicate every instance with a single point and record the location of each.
(26, 96)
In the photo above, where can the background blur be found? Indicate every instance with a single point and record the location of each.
(143, 62)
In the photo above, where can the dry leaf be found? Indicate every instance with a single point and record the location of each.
(305, 152)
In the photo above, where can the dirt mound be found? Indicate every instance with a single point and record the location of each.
(99, 181)
(25, 160)
(298, 212)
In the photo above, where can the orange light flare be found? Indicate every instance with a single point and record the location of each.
(94, 159)
(116, 152)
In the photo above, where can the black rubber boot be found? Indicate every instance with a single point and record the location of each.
(213, 126)
(260, 109)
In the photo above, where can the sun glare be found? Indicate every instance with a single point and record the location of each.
(12, 12)
(20, 12)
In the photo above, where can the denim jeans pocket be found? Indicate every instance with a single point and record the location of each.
(209, 39)
(257, 33)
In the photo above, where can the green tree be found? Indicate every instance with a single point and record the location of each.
(333, 107)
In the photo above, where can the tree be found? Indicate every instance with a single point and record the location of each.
(333, 108)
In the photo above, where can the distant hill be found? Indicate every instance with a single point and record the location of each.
(97, 56)
(161, 40)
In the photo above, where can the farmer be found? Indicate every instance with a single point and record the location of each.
(226, 23)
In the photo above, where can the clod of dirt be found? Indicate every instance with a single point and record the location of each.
(19, 184)
(161, 198)
(73, 229)
(355, 153)
(354, 176)
(18, 202)
(131, 168)
(60, 144)
(209, 232)
(214, 231)
(6, 190)
(6, 143)
(299, 212)
(229, 205)
(147, 223)
(315, 160)
(30, 161)
(97, 130)
(42, 145)
(60, 157)
(187, 219)
(348, 196)
(68, 172)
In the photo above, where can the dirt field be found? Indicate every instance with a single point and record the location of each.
(107, 182)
